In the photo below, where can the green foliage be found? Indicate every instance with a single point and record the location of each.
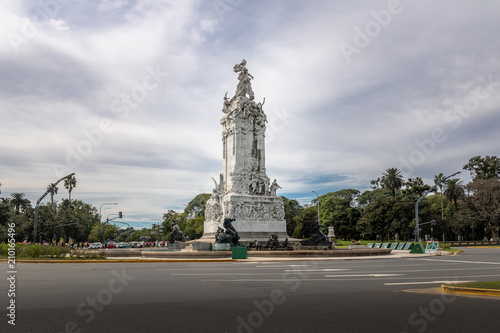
(292, 207)
(304, 221)
(338, 208)
(196, 207)
(392, 179)
(24, 251)
(193, 226)
(483, 167)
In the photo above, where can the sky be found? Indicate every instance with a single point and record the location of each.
(128, 94)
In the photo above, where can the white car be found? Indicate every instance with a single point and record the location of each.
(95, 246)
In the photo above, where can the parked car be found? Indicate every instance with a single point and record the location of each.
(111, 245)
(121, 245)
(95, 246)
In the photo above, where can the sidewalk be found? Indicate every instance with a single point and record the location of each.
(257, 256)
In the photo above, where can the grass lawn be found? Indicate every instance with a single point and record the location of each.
(483, 285)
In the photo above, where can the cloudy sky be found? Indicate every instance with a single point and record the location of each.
(128, 94)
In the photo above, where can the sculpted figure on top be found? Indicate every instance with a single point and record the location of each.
(244, 86)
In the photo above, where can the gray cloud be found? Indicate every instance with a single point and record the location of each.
(333, 123)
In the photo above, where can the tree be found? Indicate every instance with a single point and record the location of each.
(415, 188)
(304, 221)
(483, 167)
(484, 202)
(454, 189)
(196, 207)
(341, 208)
(52, 188)
(19, 201)
(292, 208)
(392, 179)
(70, 184)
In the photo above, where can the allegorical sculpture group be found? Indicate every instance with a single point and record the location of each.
(243, 191)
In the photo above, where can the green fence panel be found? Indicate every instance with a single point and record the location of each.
(408, 246)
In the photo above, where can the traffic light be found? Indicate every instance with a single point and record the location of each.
(120, 215)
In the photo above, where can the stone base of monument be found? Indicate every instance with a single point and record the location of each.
(177, 246)
(202, 246)
(249, 230)
(222, 246)
(256, 217)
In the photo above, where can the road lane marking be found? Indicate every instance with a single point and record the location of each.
(362, 275)
(463, 261)
(425, 282)
(318, 270)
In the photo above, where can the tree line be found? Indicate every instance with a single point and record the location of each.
(461, 211)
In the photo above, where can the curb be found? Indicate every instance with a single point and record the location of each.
(112, 261)
(470, 291)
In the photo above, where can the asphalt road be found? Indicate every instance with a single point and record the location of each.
(362, 295)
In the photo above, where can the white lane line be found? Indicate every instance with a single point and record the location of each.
(281, 266)
(215, 274)
(318, 270)
(426, 282)
(362, 275)
(463, 261)
(299, 265)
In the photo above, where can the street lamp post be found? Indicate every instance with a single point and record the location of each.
(159, 221)
(432, 189)
(318, 202)
(119, 216)
(128, 229)
(38, 203)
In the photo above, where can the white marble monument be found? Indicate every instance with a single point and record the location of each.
(244, 191)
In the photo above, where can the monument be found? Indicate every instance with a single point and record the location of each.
(244, 192)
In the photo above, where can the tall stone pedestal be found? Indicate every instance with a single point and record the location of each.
(244, 192)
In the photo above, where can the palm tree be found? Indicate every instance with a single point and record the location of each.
(439, 179)
(392, 179)
(69, 184)
(454, 189)
(52, 188)
(18, 201)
